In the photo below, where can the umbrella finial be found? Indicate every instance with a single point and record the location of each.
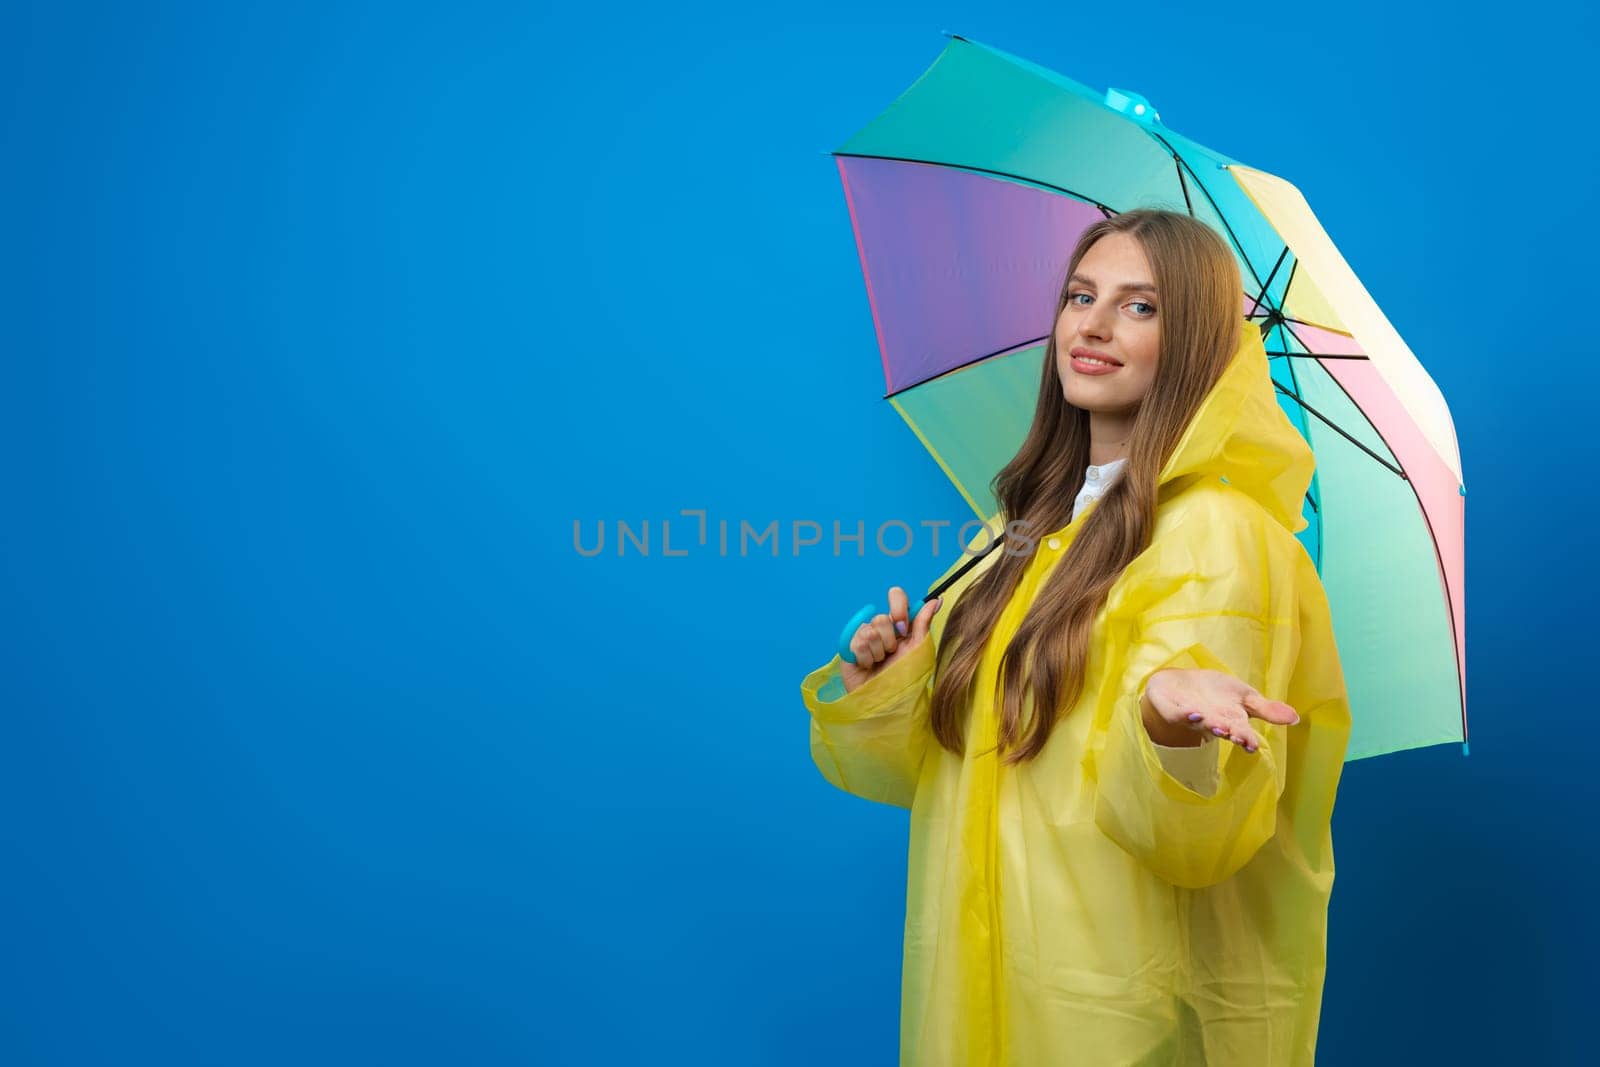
(1132, 105)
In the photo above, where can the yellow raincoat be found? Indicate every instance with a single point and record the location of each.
(1103, 904)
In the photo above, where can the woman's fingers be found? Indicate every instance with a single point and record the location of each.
(875, 641)
(1229, 725)
(884, 624)
(899, 610)
(1217, 704)
(1242, 736)
(1270, 710)
(1253, 705)
(867, 644)
(1245, 738)
(924, 620)
(879, 637)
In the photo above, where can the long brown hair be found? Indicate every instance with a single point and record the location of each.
(1199, 303)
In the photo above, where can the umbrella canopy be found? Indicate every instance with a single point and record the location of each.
(967, 195)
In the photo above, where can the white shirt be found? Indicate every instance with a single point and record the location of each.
(1096, 480)
(1196, 766)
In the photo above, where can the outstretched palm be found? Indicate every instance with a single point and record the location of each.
(1213, 702)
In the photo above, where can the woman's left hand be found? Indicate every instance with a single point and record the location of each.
(1180, 699)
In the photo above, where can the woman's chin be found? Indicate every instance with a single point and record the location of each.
(1089, 397)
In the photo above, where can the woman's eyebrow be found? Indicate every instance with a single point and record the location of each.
(1134, 287)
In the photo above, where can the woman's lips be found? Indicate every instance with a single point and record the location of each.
(1084, 367)
(1080, 356)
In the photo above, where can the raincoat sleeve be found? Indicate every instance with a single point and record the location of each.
(871, 742)
(1227, 600)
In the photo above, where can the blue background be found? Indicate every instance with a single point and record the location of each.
(322, 324)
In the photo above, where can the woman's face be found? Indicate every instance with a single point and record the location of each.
(1111, 312)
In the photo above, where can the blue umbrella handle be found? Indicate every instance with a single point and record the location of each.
(865, 615)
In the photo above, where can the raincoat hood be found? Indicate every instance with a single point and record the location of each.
(1241, 434)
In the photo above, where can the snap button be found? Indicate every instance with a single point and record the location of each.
(1054, 542)
(1094, 474)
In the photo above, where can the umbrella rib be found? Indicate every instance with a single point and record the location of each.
(968, 363)
(1314, 325)
(980, 170)
(1285, 323)
(1276, 316)
(1266, 285)
(1183, 165)
(1292, 395)
(1294, 378)
(1302, 341)
(1288, 285)
(1221, 215)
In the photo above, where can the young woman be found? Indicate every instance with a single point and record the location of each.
(1120, 739)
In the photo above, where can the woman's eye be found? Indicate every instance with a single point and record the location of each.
(1149, 309)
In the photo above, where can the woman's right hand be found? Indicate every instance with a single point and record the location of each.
(884, 639)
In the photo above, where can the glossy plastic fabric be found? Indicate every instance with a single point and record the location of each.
(1089, 907)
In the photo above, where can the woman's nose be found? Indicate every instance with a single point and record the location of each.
(1098, 322)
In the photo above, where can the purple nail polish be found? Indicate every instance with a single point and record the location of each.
(1217, 730)
(1194, 716)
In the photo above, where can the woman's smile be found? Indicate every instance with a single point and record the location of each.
(1086, 361)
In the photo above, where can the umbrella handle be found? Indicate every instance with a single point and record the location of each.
(864, 615)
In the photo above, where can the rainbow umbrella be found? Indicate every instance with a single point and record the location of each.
(966, 196)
